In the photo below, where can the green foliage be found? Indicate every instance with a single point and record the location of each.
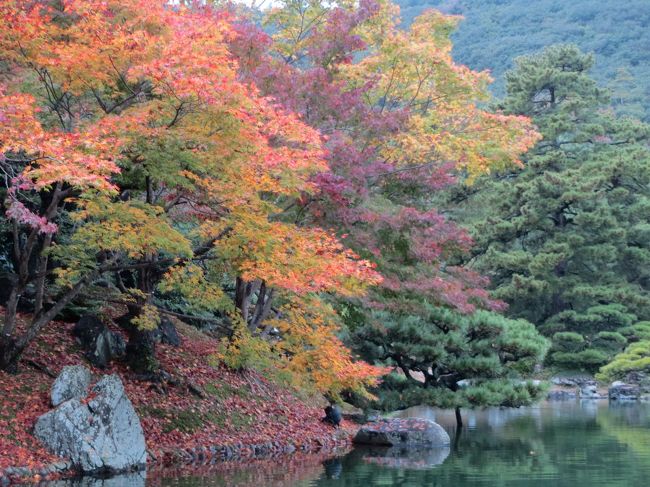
(495, 32)
(609, 340)
(572, 351)
(564, 238)
(590, 359)
(567, 341)
(443, 358)
(635, 358)
(243, 351)
(637, 332)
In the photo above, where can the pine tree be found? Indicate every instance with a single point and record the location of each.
(446, 359)
(565, 240)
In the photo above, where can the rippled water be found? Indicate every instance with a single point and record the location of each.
(554, 444)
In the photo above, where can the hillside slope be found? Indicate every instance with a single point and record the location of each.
(495, 32)
(238, 410)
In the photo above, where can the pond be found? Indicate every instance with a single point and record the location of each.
(555, 443)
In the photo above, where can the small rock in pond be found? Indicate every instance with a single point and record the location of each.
(402, 432)
(620, 391)
(590, 391)
(561, 395)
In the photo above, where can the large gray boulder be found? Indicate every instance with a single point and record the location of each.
(72, 383)
(621, 391)
(100, 435)
(402, 432)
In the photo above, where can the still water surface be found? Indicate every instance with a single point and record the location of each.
(559, 444)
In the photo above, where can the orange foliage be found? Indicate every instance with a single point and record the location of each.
(115, 81)
(309, 326)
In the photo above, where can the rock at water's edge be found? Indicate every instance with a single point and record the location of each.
(561, 395)
(402, 432)
(590, 391)
(620, 391)
(102, 436)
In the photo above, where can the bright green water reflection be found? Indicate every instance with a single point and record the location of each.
(558, 444)
(554, 444)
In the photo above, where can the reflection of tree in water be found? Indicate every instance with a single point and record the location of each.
(333, 468)
(560, 445)
(137, 479)
(285, 471)
(622, 422)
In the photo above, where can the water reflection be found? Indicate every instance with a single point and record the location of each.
(570, 444)
(333, 468)
(406, 458)
(137, 479)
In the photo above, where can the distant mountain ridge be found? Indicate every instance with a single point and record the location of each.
(495, 32)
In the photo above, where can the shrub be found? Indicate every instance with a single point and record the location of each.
(568, 341)
(635, 358)
(609, 341)
(589, 360)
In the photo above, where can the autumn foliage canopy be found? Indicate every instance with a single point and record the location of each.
(190, 163)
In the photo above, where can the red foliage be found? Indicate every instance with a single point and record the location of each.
(238, 408)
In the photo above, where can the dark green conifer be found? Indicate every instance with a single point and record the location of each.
(566, 239)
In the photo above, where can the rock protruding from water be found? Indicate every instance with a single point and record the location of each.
(99, 433)
(590, 391)
(561, 395)
(403, 432)
(72, 383)
(101, 344)
(621, 391)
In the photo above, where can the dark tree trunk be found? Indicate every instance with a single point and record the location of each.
(262, 308)
(10, 311)
(141, 351)
(9, 354)
(141, 347)
(242, 297)
(41, 275)
(459, 418)
(11, 347)
(459, 431)
(244, 291)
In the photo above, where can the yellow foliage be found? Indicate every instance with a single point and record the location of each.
(147, 319)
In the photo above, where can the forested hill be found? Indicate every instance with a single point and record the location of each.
(496, 31)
